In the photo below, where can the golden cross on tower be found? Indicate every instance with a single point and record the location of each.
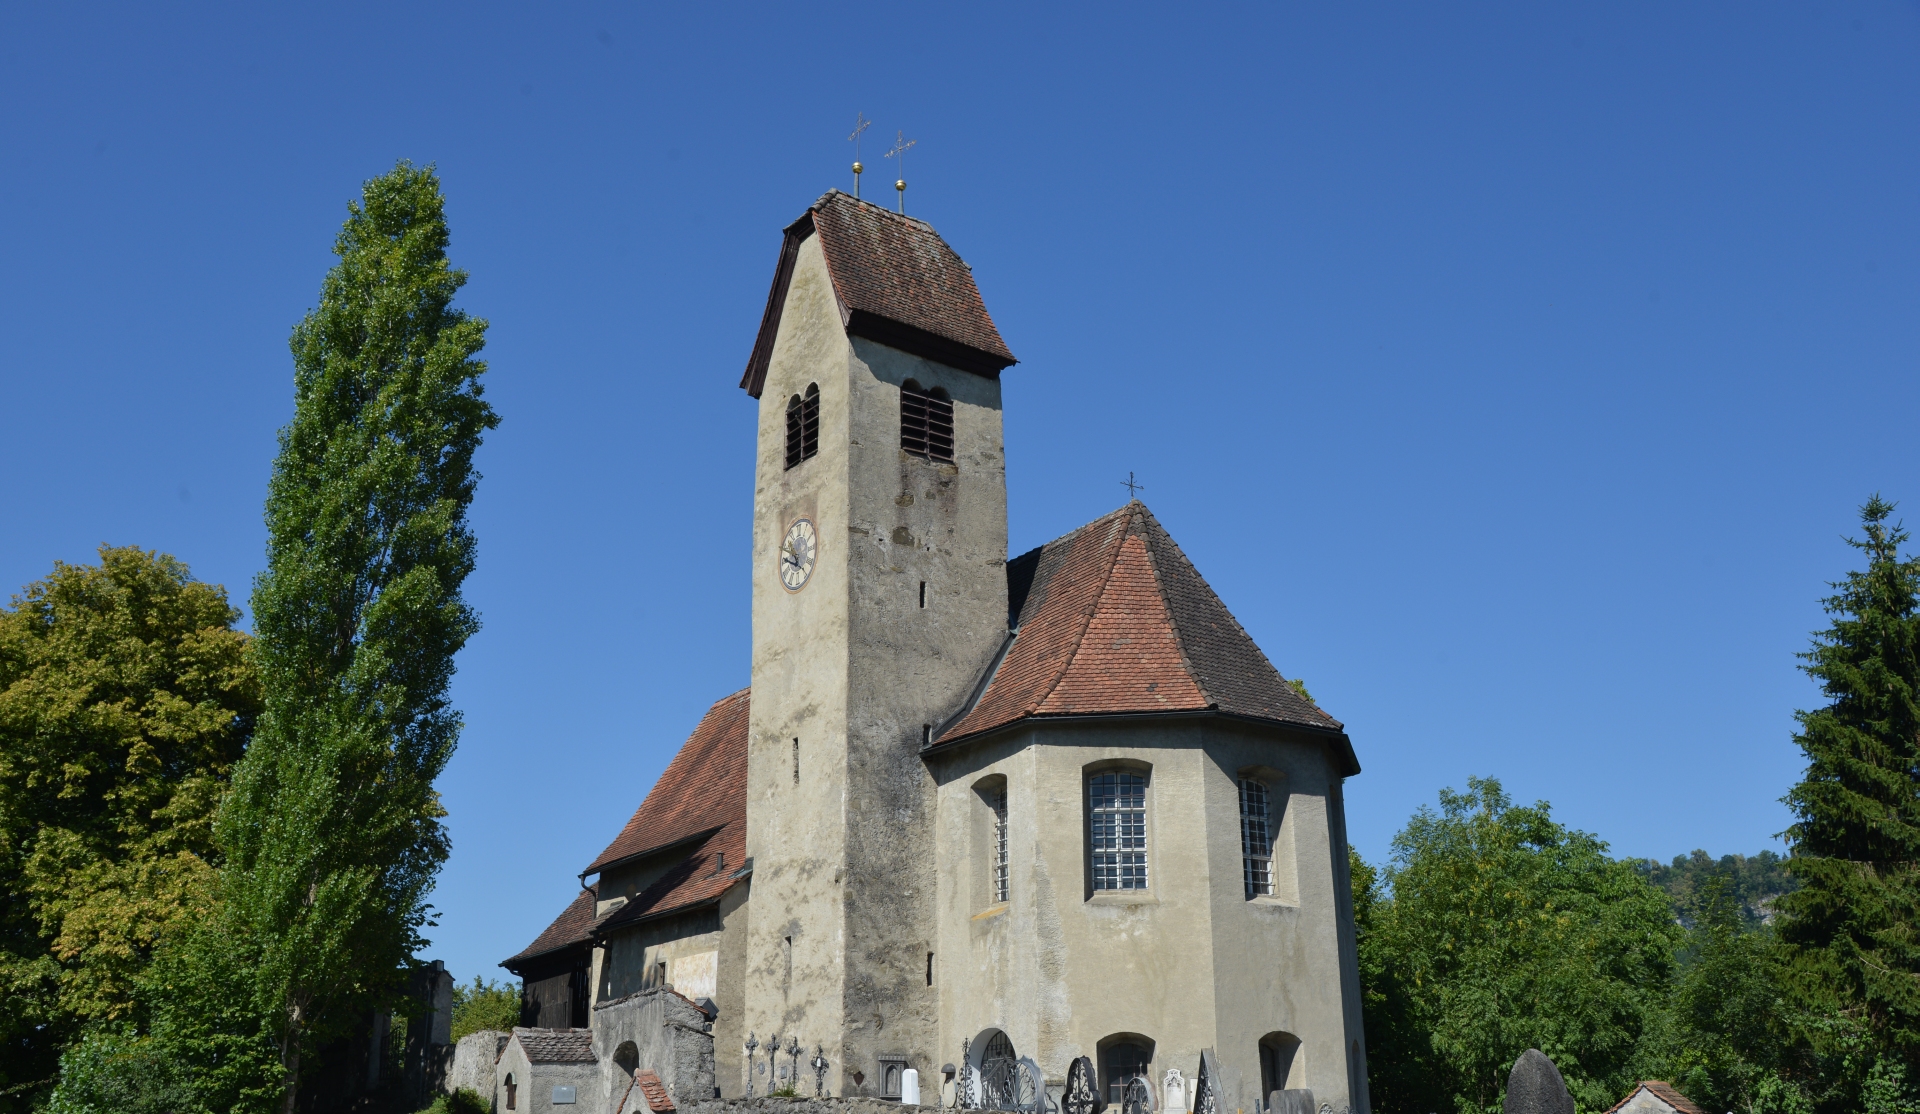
(900, 145)
(860, 124)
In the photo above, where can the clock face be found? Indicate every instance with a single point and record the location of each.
(797, 552)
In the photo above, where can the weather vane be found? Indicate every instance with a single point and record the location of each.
(1133, 487)
(860, 124)
(900, 145)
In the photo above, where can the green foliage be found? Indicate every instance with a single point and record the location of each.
(1727, 1035)
(1754, 883)
(332, 831)
(1507, 931)
(1849, 929)
(116, 1071)
(462, 1101)
(485, 1005)
(126, 696)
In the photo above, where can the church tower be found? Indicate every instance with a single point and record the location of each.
(879, 602)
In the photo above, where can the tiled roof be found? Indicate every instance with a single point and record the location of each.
(649, 1083)
(557, 1046)
(700, 802)
(1113, 619)
(703, 788)
(709, 870)
(1665, 1093)
(897, 282)
(574, 925)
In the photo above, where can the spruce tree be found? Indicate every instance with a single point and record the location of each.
(332, 833)
(1851, 927)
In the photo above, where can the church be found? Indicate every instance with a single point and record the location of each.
(971, 810)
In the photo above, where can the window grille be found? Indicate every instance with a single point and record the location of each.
(1125, 1063)
(926, 422)
(1118, 824)
(803, 425)
(1000, 845)
(1256, 838)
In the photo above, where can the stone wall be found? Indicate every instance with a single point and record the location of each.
(670, 1035)
(764, 1105)
(473, 1060)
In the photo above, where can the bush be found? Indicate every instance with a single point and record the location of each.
(111, 1072)
(464, 1101)
(485, 1005)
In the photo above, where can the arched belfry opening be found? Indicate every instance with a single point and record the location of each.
(926, 421)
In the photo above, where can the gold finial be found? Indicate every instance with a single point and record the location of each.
(900, 145)
(860, 124)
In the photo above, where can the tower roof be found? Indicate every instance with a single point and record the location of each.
(1113, 619)
(896, 281)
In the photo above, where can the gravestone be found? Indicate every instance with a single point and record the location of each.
(1296, 1101)
(1535, 1087)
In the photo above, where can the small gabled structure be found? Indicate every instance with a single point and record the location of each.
(1654, 1097)
(542, 1070)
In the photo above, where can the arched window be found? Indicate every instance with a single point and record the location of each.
(995, 1068)
(627, 1059)
(512, 1090)
(1256, 838)
(1124, 1057)
(1281, 1065)
(803, 425)
(926, 421)
(999, 801)
(1117, 829)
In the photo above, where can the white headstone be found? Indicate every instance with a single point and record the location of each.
(910, 1088)
(1176, 1092)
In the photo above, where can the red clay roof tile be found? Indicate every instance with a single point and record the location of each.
(1113, 619)
(656, 1092)
(557, 1046)
(703, 788)
(574, 925)
(897, 282)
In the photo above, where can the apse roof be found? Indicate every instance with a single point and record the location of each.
(897, 282)
(1114, 619)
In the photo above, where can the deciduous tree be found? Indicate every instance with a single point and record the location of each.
(126, 696)
(332, 833)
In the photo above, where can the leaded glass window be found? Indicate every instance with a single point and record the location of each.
(1117, 824)
(1000, 845)
(1256, 838)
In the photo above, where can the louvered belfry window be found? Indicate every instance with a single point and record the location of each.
(926, 422)
(803, 425)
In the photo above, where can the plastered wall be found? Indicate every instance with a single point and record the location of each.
(855, 668)
(1190, 963)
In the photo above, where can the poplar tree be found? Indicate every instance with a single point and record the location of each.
(1851, 929)
(333, 831)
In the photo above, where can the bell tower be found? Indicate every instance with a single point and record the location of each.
(879, 599)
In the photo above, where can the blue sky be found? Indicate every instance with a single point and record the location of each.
(1513, 372)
